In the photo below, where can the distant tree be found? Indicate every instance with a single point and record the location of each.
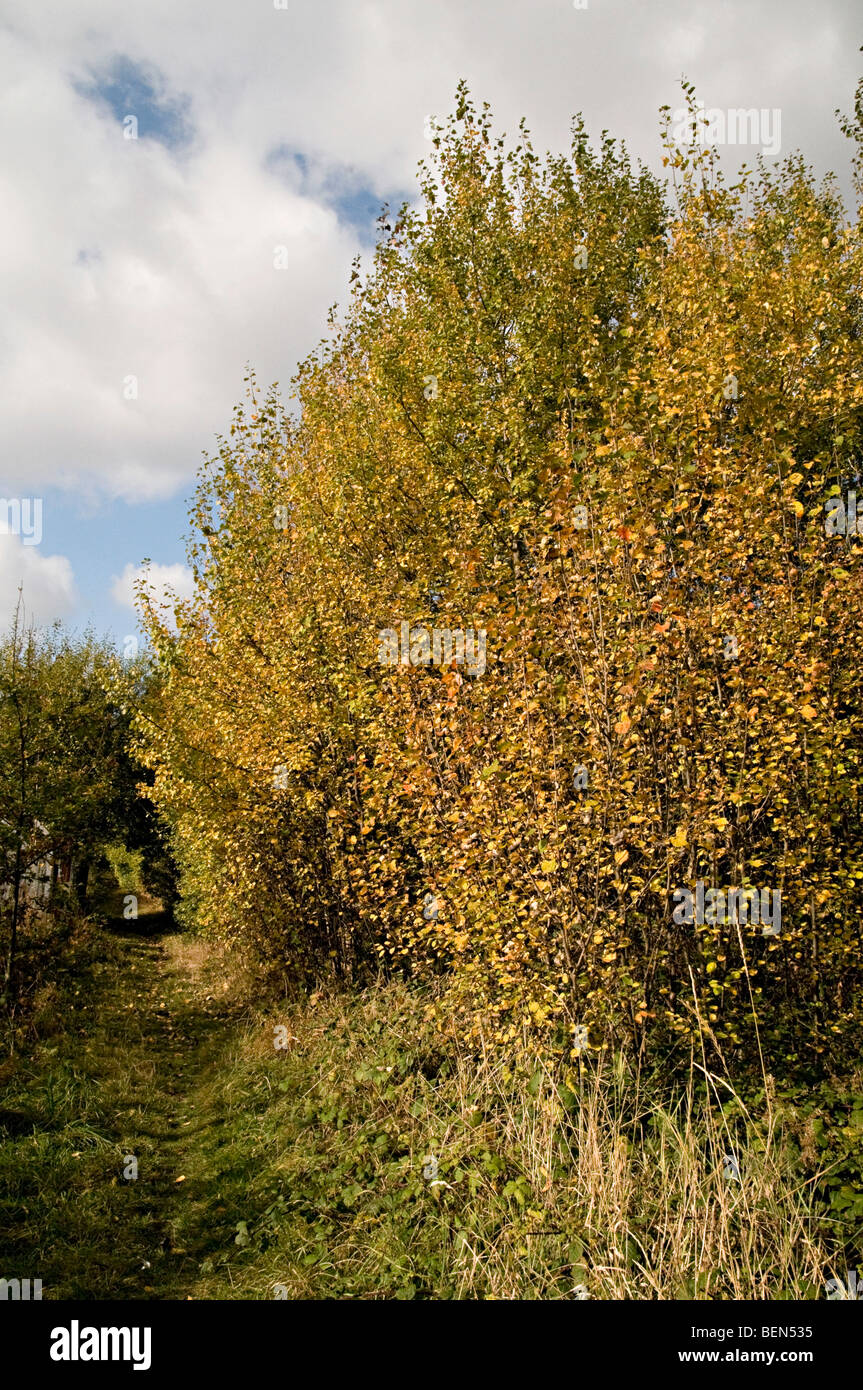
(67, 782)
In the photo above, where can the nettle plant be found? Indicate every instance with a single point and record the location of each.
(607, 510)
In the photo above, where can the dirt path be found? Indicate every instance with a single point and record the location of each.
(133, 1076)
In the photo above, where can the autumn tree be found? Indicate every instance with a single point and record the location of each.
(66, 780)
(601, 423)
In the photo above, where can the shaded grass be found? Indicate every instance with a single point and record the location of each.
(112, 1080)
(376, 1156)
(381, 1159)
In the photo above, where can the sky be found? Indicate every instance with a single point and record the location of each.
(155, 157)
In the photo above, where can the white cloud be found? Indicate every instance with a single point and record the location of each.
(125, 258)
(132, 262)
(686, 42)
(164, 582)
(47, 583)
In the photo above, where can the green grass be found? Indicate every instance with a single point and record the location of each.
(307, 1172)
(120, 1077)
(125, 865)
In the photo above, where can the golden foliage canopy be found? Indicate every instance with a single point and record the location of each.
(600, 428)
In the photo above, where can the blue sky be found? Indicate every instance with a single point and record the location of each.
(100, 544)
(126, 88)
(153, 157)
(101, 537)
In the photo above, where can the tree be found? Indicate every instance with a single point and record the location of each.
(66, 780)
(600, 426)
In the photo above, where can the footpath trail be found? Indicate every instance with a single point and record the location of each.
(132, 1075)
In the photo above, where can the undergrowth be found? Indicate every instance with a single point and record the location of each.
(374, 1155)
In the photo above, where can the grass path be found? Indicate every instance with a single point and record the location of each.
(373, 1156)
(135, 1073)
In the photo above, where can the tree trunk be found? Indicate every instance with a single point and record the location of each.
(9, 977)
(82, 876)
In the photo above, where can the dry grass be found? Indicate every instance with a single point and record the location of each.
(622, 1192)
(378, 1157)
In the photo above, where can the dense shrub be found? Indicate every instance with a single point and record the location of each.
(600, 426)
